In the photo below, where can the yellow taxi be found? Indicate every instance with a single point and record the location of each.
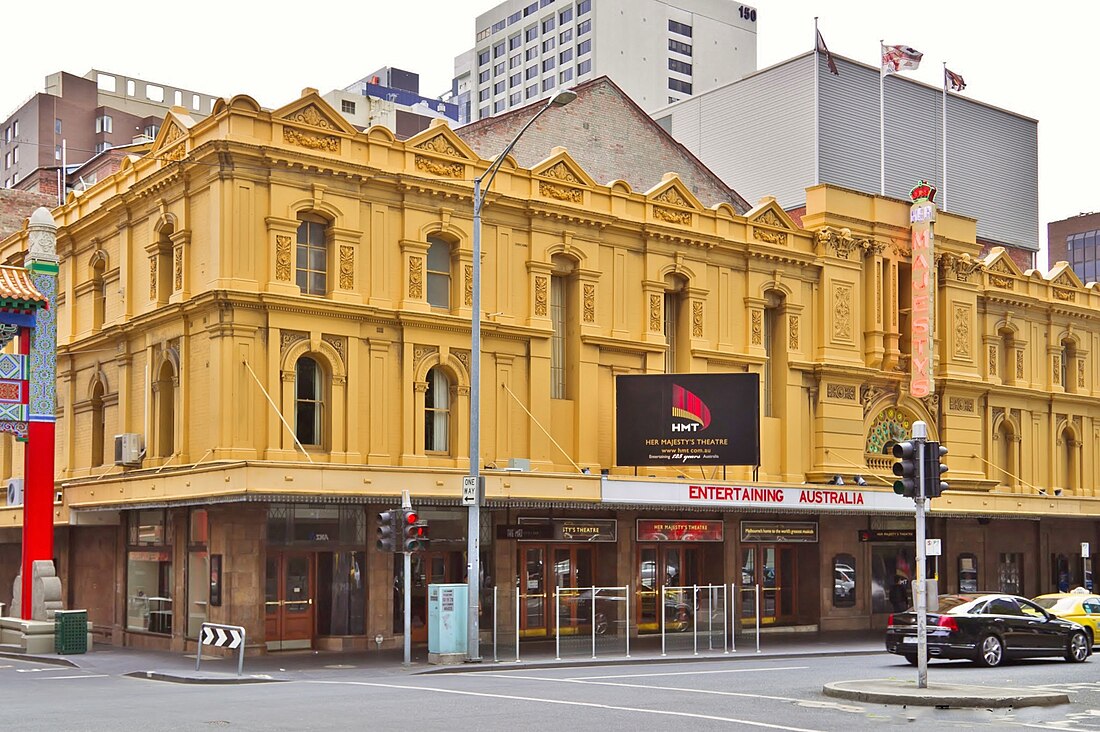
(1079, 606)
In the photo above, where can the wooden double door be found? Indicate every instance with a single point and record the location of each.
(547, 569)
(289, 600)
(772, 568)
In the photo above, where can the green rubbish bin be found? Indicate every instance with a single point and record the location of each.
(70, 631)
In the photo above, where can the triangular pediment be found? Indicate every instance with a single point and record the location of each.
(440, 140)
(672, 191)
(173, 131)
(998, 262)
(312, 111)
(561, 168)
(769, 213)
(1063, 276)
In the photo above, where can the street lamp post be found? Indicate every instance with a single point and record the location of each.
(473, 527)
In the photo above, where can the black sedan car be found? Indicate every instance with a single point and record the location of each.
(988, 629)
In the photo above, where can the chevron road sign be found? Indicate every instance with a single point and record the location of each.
(221, 636)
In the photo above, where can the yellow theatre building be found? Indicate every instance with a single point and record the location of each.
(264, 338)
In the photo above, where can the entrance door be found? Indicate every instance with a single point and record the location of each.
(662, 566)
(772, 567)
(289, 601)
(567, 570)
(573, 573)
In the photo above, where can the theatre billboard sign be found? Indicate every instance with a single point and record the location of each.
(687, 419)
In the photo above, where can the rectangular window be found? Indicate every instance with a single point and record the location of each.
(532, 91)
(499, 87)
(565, 76)
(483, 57)
(484, 76)
(498, 106)
(516, 80)
(15, 129)
(499, 25)
(584, 67)
(532, 72)
(499, 50)
(515, 99)
(557, 340)
(679, 67)
(583, 27)
(1010, 573)
(482, 35)
(102, 147)
(548, 84)
(531, 33)
(565, 36)
(483, 112)
(548, 45)
(56, 152)
(149, 579)
(566, 56)
(57, 126)
(681, 28)
(7, 160)
(347, 106)
(671, 313)
(439, 273)
(312, 258)
(565, 16)
(498, 69)
(515, 17)
(678, 47)
(483, 95)
(531, 54)
(548, 64)
(544, 3)
(515, 61)
(680, 86)
(515, 42)
(15, 155)
(583, 7)
(548, 25)
(532, 8)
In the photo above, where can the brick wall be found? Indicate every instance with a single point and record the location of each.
(16, 206)
(610, 136)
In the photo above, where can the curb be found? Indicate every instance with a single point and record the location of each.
(892, 691)
(32, 658)
(492, 666)
(178, 679)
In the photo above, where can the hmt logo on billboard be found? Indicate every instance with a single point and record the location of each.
(689, 413)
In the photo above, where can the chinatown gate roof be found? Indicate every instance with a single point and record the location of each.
(18, 295)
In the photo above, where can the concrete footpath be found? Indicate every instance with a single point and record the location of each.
(312, 665)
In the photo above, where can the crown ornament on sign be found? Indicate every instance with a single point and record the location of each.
(923, 191)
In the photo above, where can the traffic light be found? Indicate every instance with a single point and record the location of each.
(933, 469)
(415, 535)
(906, 469)
(387, 531)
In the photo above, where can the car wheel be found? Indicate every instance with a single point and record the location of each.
(601, 624)
(1078, 648)
(911, 658)
(991, 651)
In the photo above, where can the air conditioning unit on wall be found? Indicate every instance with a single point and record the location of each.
(15, 491)
(129, 450)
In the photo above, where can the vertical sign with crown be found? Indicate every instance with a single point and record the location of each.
(922, 214)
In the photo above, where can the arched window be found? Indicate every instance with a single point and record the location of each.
(437, 411)
(439, 273)
(563, 342)
(308, 401)
(1067, 461)
(311, 271)
(1007, 363)
(1006, 454)
(99, 294)
(97, 425)
(161, 269)
(165, 397)
(673, 313)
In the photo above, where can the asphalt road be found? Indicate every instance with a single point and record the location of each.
(744, 693)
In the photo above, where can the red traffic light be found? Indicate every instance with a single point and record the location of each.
(410, 517)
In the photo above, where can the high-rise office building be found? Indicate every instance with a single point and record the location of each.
(1076, 240)
(657, 52)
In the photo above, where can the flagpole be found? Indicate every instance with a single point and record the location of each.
(943, 116)
(881, 124)
(817, 108)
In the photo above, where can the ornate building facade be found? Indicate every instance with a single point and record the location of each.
(277, 308)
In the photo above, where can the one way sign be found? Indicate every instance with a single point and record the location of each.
(222, 636)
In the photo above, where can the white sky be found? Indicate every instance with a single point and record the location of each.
(1031, 58)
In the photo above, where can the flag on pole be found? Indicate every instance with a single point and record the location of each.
(900, 58)
(822, 48)
(953, 80)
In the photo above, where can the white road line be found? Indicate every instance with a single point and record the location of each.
(653, 688)
(82, 676)
(692, 673)
(564, 702)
